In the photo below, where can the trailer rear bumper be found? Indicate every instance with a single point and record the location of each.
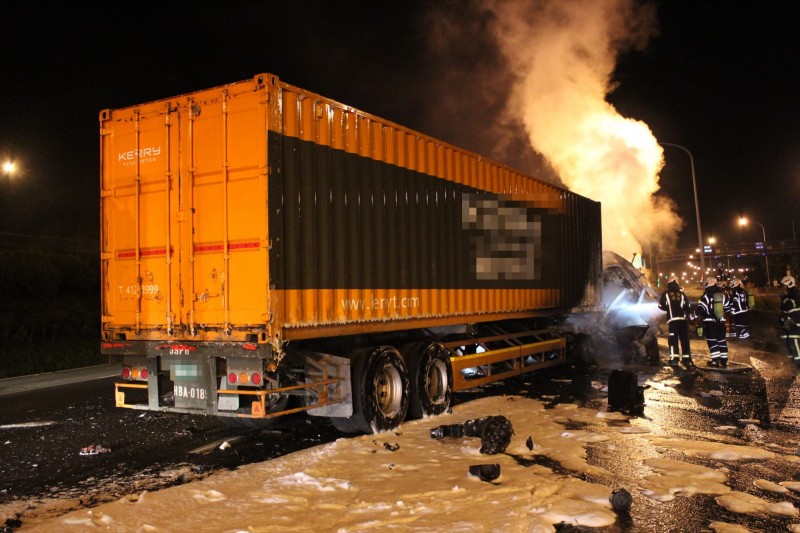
(226, 380)
(259, 406)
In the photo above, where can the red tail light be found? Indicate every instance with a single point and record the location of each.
(143, 374)
(256, 379)
(126, 373)
(232, 378)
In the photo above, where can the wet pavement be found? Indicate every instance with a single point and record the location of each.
(42, 433)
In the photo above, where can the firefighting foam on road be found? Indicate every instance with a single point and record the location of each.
(545, 479)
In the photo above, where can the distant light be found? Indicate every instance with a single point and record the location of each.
(9, 167)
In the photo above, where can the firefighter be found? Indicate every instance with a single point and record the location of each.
(722, 276)
(740, 309)
(675, 303)
(713, 305)
(790, 317)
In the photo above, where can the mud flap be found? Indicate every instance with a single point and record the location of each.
(227, 402)
(319, 366)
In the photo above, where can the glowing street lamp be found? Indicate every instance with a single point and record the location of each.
(743, 222)
(713, 240)
(9, 167)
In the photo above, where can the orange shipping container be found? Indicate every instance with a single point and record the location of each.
(259, 211)
(261, 241)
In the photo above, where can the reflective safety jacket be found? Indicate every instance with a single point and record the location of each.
(790, 306)
(739, 301)
(706, 308)
(675, 303)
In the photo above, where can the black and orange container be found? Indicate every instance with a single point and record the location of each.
(258, 213)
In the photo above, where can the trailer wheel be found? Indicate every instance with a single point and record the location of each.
(431, 379)
(380, 390)
(344, 424)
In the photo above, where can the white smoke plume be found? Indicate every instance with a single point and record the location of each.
(563, 54)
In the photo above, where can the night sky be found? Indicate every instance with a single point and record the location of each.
(721, 78)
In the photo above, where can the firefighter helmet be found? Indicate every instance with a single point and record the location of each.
(709, 282)
(735, 282)
(788, 281)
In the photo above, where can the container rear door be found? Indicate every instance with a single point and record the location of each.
(139, 159)
(184, 217)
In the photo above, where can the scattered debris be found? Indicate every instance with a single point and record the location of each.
(496, 435)
(624, 392)
(495, 432)
(455, 431)
(221, 444)
(485, 472)
(391, 447)
(94, 449)
(529, 443)
(12, 524)
(621, 500)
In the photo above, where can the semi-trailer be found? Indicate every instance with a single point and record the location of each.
(266, 250)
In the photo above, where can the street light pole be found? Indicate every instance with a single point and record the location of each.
(696, 210)
(766, 254)
(743, 222)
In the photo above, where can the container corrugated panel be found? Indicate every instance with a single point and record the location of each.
(289, 214)
(183, 207)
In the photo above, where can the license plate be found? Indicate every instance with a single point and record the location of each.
(189, 389)
(190, 392)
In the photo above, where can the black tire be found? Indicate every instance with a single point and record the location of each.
(380, 390)
(431, 379)
(344, 425)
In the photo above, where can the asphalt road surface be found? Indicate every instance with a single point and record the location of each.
(43, 431)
